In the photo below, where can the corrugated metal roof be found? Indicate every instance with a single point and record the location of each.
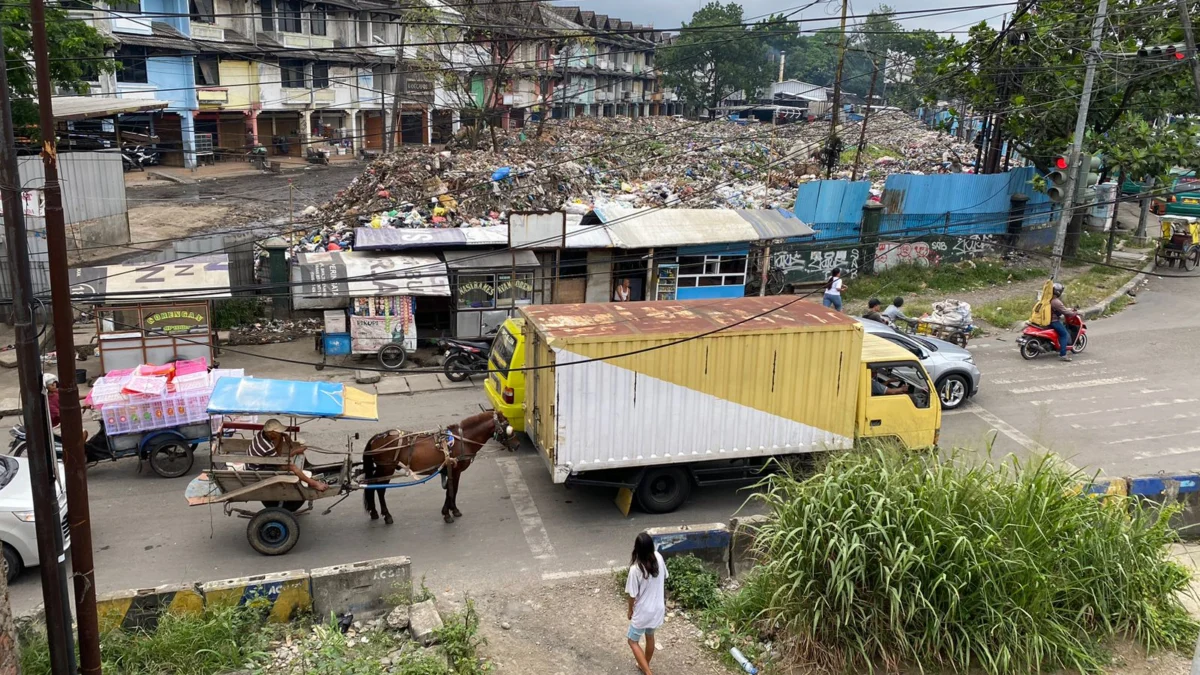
(618, 320)
(648, 228)
(804, 90)
(477, 260)
(83, 107)
(578, 236)
(775, 223)
(833, 207)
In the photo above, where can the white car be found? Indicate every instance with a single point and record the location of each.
(18, 536)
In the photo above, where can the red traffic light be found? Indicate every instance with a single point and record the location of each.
(1061, 163)
(1179, 56)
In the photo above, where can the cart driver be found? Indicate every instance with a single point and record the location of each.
(273, 441)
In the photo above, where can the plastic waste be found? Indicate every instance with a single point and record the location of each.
(501, 173)
(742, 661)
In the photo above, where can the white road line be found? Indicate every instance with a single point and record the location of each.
(1008, 430)
(1152, 404)
(527, 512)
(1074, 400)
(1153, 438)
(577, 574)
(1083, 384)
(1130, 423)
(1075, 372)
(1168, 452)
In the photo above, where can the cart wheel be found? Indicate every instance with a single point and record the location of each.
(320, 366)
(392, 356)
(172, 458)
(292, 506)
(1186, 262)
(273, 531)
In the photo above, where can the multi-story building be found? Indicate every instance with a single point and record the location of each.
(623, 76)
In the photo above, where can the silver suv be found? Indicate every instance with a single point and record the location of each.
(952, 368)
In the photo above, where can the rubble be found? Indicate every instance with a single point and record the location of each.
(584, 162)
(271, 331)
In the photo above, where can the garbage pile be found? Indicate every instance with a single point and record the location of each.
(951, 313)
(273, 331)
(585, 162)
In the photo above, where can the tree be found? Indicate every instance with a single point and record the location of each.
(77, 55)
(715, 56)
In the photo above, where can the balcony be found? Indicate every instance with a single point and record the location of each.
(295, 96)
(519, 100)
(135, 24)
(301, 41)
(627, 67)
(325, 96)
(212, 96)
(603, 96)
(136, 90)
(604, 64)
(208, 32)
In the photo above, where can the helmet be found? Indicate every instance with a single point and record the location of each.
(49, 379)
(1058, 289)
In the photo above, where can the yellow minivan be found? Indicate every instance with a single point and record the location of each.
(505, 386)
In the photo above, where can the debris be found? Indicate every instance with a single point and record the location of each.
(271, 331)
(366, 376)
(424, 620)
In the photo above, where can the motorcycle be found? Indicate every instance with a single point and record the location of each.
(137, 157)
(464, 357)
(1037, 340)
(95, 447)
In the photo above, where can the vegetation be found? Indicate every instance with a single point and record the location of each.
(459, 640)
(692, 585)
(232, 312)
(905, 280)
(1004, 313)
(714, 56)
(886, 558)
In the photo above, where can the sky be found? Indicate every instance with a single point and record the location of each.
(670, 13)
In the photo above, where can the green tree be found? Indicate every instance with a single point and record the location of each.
(715, 56)
(77, 55)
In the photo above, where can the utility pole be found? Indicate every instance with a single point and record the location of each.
(837, 91)
(1190, 38)
(862, 133)
(1068, 208)
(401, 85)
(34, 410)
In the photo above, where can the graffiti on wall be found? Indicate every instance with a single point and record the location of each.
(805, 264)
(814, 264)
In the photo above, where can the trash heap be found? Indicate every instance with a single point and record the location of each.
(582, 163)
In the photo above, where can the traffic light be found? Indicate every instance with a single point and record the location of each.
(1089, 177)
(1170, 52)
(1057, 179)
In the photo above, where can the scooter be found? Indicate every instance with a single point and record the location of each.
(464, 357)
(1037, 340)
(95, 447)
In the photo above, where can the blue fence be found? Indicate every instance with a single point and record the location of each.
(833, 207)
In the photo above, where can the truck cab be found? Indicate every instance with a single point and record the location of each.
(505, 384)
(895, 400)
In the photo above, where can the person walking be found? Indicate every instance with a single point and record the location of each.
(833, 290)
(646, 588)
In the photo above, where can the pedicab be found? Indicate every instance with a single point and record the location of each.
(1180, 242)
(235, 478)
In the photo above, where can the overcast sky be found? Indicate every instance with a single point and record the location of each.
(670, 13)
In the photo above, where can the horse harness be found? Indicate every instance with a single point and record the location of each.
(450, 441)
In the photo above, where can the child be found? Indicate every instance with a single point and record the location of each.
(647, 598)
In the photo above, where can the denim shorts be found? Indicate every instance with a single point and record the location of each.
(636, 634)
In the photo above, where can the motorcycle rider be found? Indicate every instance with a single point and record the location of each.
(1059, 311)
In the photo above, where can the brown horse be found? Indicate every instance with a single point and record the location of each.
(450, 451)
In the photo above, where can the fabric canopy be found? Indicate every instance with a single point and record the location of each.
(257, 396)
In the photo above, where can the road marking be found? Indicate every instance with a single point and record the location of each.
(1153, 438)
(1083, 384)
(1168, 452)
(1152, 404)
(527, 511)
(1008, 430)
(577, 574)
(1129, 423)
(1073, 400)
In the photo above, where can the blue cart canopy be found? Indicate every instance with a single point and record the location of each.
(258, 396)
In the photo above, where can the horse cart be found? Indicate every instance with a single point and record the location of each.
(236, 478)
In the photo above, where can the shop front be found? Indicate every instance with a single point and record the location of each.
(704, 273)
(489, 287)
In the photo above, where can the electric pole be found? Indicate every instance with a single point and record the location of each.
(1068, 208)
(831, 146)
(34, 411)
(1190, 38)
(862, 133)
(71, 415)
(401, 85)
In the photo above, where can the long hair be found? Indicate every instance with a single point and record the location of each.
(643, 555)
(832, 275)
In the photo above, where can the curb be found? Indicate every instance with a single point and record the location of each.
(179, 180)
(1101, 307)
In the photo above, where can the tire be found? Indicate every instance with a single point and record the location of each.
(273, 531)
(289, 506)
(11, 562)
(664, 490)
(172, 458)
(1080, 343)
(1186, 262)
(18, 450)
(1031, 350)
(392, 356)
(456, 368)
(953, 391)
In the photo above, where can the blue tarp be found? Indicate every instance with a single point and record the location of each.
(258, 396)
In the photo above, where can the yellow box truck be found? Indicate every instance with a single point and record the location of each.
(658, 397)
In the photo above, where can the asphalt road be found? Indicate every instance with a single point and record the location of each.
(1127, 406)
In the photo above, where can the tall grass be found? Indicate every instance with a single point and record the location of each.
(886, 558)
(906, 280)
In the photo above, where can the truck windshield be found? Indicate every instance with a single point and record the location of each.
(502, 350)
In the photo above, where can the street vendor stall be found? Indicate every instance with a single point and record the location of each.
(153, 312)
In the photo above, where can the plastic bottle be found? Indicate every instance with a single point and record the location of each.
(742, 661)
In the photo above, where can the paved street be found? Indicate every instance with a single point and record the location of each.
(1126, 406)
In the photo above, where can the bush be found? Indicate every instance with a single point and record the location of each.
(459, 640)
(886, 558)
(233, 312)
(692, 585)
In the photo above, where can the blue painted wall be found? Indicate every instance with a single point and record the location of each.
(832, 207)
(710, 292)
(175, 77)
(174, 13)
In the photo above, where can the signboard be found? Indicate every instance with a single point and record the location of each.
(200, 277)
(369, 333)
(349, 274)
(32, 204)
(176, 321)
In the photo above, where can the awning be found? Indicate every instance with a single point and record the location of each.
(486, 260)
(257, 396)
(399, 239)
(649, 228)
(341, 274)
(775, 223)
(197, 278)
(85, 107)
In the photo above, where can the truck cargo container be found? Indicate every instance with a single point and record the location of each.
(658, 397)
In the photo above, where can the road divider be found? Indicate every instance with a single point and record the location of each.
(287, 594)
(365, 589)
(141, 609)
(708, 542)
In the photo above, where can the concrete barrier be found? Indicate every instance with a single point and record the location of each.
(288, 594)
(365, 589)
(1107, 487)
(743, 531)
(708, 542)
(141, 609)
(1182, 489)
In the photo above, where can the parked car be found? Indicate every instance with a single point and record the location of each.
(18, 535)
(951, 367)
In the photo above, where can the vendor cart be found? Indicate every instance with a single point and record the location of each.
(1180, 242)
(373, 326)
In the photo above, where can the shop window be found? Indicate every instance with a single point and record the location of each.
(316, 20)
(208, 73)
(133, 64)
(267, 9)
(292, 73)
(320, 78)
(509, 293)
(712, 270)
(476, 291)
(126, 6)
(289, 16)
(201, 11)
(901, 380)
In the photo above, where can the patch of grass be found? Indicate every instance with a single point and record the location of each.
(328, 651)
(1093, 246)
(1004, 313)
(403, 594)
(692, 585)
(886, 558)
(459, 640)
(1118, 305)
(947, 278)
(1094, 285)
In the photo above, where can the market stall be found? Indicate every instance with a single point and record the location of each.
(488, 287)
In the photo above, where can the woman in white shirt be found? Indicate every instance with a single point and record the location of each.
(833, 290)
(647, 598)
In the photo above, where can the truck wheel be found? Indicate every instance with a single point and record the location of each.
(663, 490)
(273, 531)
